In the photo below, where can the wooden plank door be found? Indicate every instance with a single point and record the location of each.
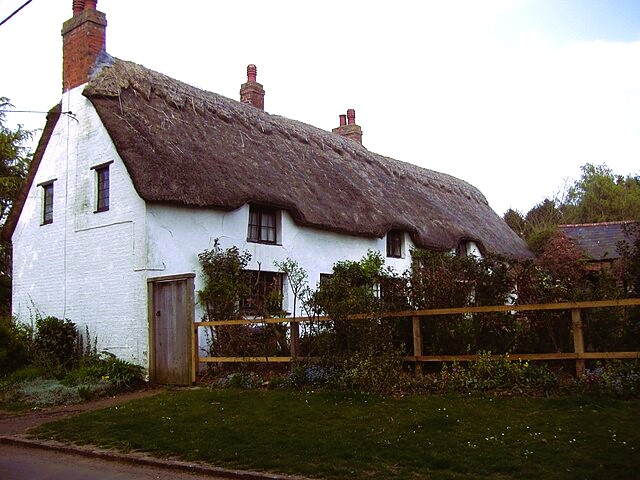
(171, 316)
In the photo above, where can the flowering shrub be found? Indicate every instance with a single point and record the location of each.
(612, 378)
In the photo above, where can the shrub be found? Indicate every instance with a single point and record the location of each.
(615, 378)
(15, 345)
(55, 342)
(240, 380)
(122, 375)
(314, 375)
(375, 372)
(495, 373)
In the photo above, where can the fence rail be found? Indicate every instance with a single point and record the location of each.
(418, 357)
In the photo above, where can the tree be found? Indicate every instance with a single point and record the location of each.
(14, 163)
(602, 196)
(297, 279)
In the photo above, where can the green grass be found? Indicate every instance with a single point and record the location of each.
(350, 436)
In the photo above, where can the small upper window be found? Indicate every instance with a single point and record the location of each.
(47, 202)
(262, 225)
(394, 243)
(102, 187)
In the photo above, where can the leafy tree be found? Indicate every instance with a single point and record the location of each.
(599, 195)
(297, 280)
(14, 163)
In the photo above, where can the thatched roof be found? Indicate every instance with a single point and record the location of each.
(191, 147)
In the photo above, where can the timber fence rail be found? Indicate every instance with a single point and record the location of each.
(417, 316)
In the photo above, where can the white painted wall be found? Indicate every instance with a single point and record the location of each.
(177, 235)
(85, 266)
(92, 267)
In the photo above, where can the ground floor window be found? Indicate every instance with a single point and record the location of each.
(265, 293)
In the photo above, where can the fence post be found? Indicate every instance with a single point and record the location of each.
(578, 340)
(417, 343)
(195, 355)
(295, 339)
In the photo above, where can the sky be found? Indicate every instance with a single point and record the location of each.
(512, 96)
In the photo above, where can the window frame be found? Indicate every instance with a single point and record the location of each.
(395, 244)
(103, 187)
(258, 229)
(48, 197)
(266, 282)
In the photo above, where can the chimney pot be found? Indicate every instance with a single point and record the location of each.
(252, 73)
(78, 6)
(348, 127)
(252, 92)
(351, 116)
(90, 4)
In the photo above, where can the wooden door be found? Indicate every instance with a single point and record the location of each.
(171, 316)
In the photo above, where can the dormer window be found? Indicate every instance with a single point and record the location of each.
(395, 243)
(468, 248)
(263, 225)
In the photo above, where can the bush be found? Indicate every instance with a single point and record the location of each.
(240, 380)
(497, 373)
(122, 375)
(615, 378)
(15, 345)
(55, 342)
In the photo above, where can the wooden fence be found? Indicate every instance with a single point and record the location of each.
(418, 316)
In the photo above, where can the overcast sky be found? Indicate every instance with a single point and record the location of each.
(512, 96)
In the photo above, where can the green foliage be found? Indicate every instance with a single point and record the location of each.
(495, 373)
(599, 195)
(353, 287)
(14, 163)
(296, 278)
(240, 380)
(55, 342)
(375, 371)
(617, 378)
(225, 282)
(122, 375)
(15, 345)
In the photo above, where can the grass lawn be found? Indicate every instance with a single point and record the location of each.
(350, 436)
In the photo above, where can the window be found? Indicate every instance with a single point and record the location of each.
(262, 225)
(394, 243)
(265, 293)
(47, 202)
(102, 187)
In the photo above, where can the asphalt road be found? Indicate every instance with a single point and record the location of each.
(18, 463)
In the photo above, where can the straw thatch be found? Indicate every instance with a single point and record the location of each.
(187, 146)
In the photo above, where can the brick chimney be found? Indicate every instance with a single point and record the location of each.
(83, 39)
(348, 127)
(252, 92)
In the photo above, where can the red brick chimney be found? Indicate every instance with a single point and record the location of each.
(348, 127)
(83, 39)
(252, 92)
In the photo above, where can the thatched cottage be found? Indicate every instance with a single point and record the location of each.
(137, 173)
